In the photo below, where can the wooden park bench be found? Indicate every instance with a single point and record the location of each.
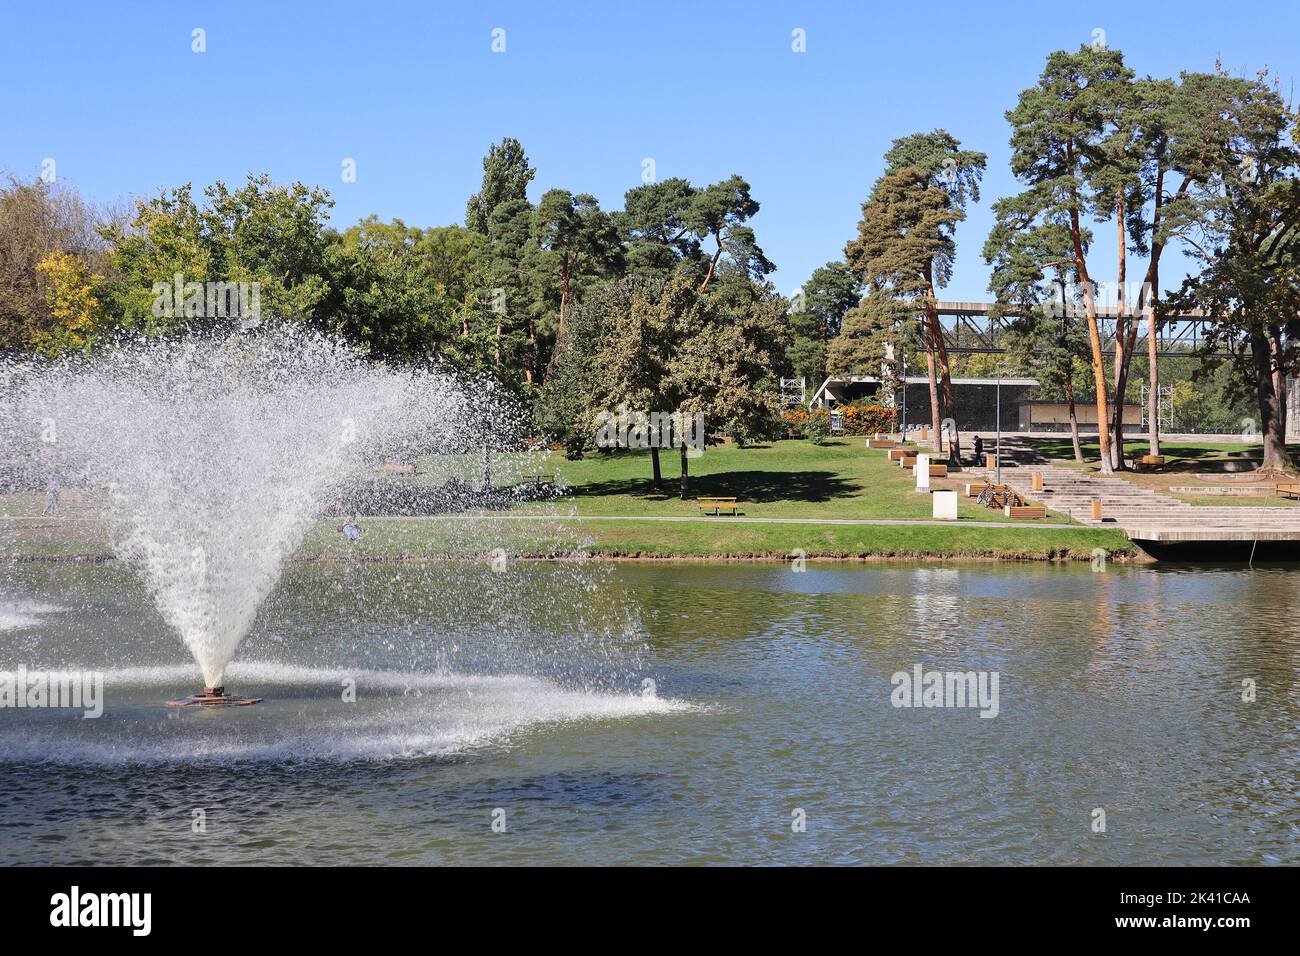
(895, 454)
(718, 505)
(1151, 462)
(907, 461)
(975, 488)
(1287, 489)
(538, 479)
(1024, 511)
(881, 443)
(938, 471)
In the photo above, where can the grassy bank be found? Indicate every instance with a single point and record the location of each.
(432, 539)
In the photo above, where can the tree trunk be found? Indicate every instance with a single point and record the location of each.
(564, 307)
(1279, 377)
(532, 350)
(1099, 383)
(1125, 341)
(936, 410)
(1123, 367)
(654, 461)
(712, 265)
(945, 377)
(1150, 298)
(1153, 386)
(1270, 410)
(685, 471)
(1094, 334)
(1074, 415)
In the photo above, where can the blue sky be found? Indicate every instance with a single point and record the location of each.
(414, 94)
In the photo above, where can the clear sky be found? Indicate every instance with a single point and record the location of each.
(414, 93)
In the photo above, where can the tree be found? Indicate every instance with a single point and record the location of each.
(275, 236)
(728, 344)
(873, 337)
(719, 211)
(956, 174)
(37, 221)
(656, 229)
(1070, 146)
(816, 317)
(388, 296)
(581, 241)
(262, 233)
(1188, 131)
(903, 254)
(504, 310)
(166, 236)
(1042, 337)
(506, 175)
(666, 347)
(77, 317)
(593, 372)
(1250, 282)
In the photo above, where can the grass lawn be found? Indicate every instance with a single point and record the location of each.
(783, 479)
(433, 538)
(424, 538)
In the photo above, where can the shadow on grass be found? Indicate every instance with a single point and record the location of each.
(754, 486)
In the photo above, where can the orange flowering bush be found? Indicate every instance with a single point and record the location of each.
(858, 419)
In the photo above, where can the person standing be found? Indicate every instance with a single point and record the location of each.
(51, 496)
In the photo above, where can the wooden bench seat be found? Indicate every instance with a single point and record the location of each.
(1024, 511)
(974, 488)
(881, 443)
(938, 471)
(718, 505)
(894, 454)
(1287, 489)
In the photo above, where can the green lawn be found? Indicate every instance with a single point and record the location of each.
(432, 538)
(784, 479)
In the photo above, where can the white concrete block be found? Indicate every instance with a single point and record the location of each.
(945, 505)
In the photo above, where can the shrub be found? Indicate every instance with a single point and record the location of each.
(861, 418)
(818, 427)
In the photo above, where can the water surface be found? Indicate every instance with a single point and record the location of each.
(524, 693)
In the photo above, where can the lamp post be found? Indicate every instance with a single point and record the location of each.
(997, 447)
(902, 360)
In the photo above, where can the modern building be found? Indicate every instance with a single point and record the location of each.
(1036, 416)
(977, 399)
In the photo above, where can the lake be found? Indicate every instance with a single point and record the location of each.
(668, 713)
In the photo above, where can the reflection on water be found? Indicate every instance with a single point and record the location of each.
(1120, 690)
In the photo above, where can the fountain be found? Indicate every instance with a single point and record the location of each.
(216, 452)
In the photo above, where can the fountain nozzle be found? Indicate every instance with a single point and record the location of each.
(213, 697)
